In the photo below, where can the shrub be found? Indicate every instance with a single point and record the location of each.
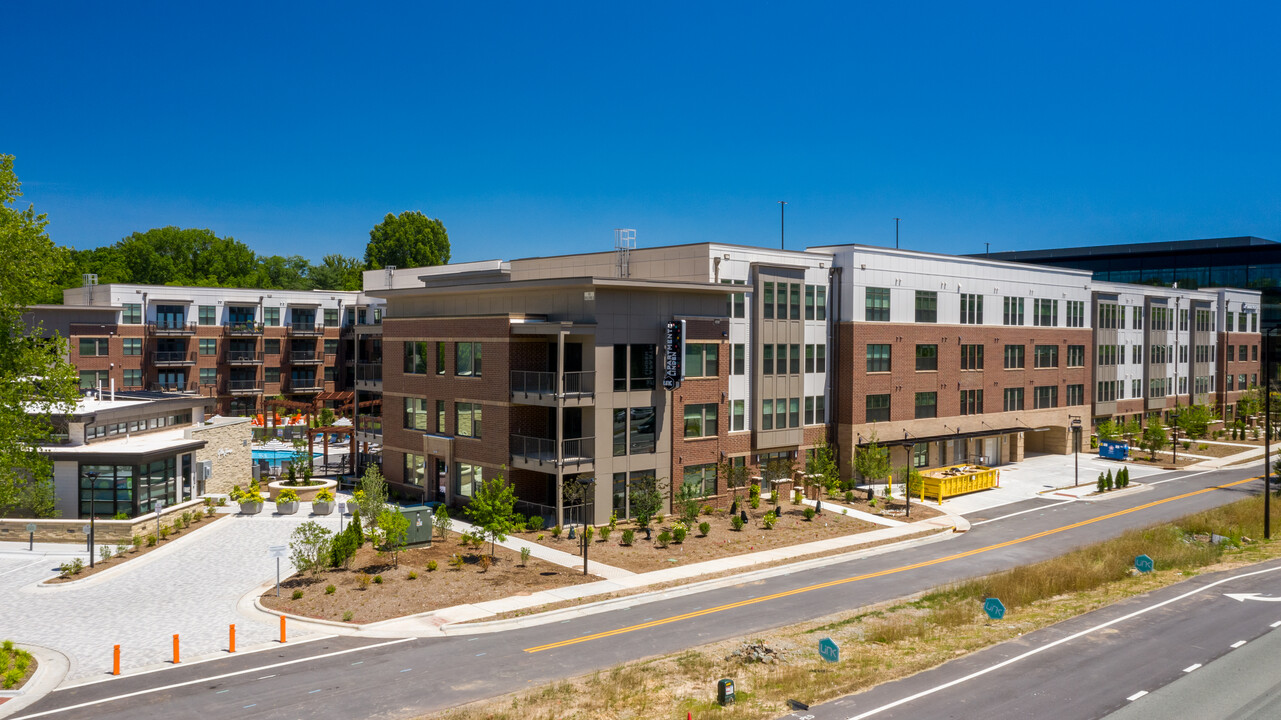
(556, 532)
(664, 538)
(378, 579)
(186, 519)
(678, 533)
(413, 575)
(736, 522)
(456, 561)
(1187, 445)
(324, 496)
(363, 580)
(297, 595)
(431, 566)
(589, 531)
(796, 497)
(120, 516)
(704, 528)
(121, 548)
(1107, 481)
(484, 563)
(77, 565)
(287, 495)
(629, 536)
(222, 502)
(524, 552)
(151, 541)
(64, 570)
(209, 512)
(535, 523)
(346, 616)
(809, 513)
(137, 541)
(604, 533)
(12, 677)
(708, 510)
(658, 519)
(104, 553)
(518, 523)
(769, 520)
(1099, 483)
(330, 589)
(849, 496)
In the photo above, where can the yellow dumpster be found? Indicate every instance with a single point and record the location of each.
(954, 480)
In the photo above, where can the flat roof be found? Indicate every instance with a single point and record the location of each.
(1149, 248)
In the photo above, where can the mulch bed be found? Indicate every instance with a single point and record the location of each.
(135, 551)
(721, 541)
(398, 595)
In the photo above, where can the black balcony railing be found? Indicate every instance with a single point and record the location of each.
(305, 356)
(308, 329)
(244, 357)
(572, 384)
(183, 387)
(172, 327)
(244, 386)
(300, 385)
(173, 357)
(574, 451)
(369, 372)
(243, 328)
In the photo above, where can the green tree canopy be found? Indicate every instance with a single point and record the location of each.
(410, 239)
(35, 381)
(493, 509)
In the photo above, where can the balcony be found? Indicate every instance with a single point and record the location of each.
(244, 357)
(306, 385)
(306, 357)
(243, 329)
(185, 387)
(541, 388)
(370, 425)
(172, 328)
(244, 387)
(369, 376)
(173, 358)
(535, 453)
(306, 329)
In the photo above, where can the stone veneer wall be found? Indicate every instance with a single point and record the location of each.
(105, 531)
(228, 443)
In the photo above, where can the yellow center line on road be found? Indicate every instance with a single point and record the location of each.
(868, 576)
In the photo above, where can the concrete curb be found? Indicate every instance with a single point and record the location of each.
(53, 668)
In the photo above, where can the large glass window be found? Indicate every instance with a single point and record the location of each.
(1075, 313)
(971, 357)
(415, 358)
(331, 317)
(702, 478)
(1047, 356)
(416, 415)
(1076, 356)
(971, 402)
(132, 314)
(927, 306)
(106, 490)
(926, 405)
(467, 359)
(93, 347)
(700, 420)
(208, 346)
(271, 316)
(133, 378)
(877, 305)
(1076, 394)
(1045, 397)
(415, 469)
(1013, 399)
(643, 436)
(131, 346)
(91, 379)
(467, 419)
(208, 315)
(634, 367)
(971, 309)
(1013, 314)
(1045, 312)
(467, 478)
(878, 358)
(701, 360)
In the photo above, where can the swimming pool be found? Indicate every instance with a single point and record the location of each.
(275, 456)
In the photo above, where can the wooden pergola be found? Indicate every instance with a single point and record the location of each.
(325, 432)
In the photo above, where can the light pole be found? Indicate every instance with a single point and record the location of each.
(586, 484)
(93, 509)
(1267, 432)
(1076, 449)
(1174, 435)
(782, 225)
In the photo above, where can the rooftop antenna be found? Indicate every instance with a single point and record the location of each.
(896, 233)
(624, 244)
(782, 216)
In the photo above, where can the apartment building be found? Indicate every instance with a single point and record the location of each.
(1238, 353)
(616, 367)
(236, 345)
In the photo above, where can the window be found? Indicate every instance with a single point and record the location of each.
(820, 409)
(920, 455)
(133, 378)
(971, 357)
(1241, 352)
(415, 358)
(1137, 314)
(816, 358)
(131, 346)
(700, 420)
(926, 405)
(208, 346)
(796, 301)
(1183, 319)
(467, 359)
(735, 303)
(1254, 352)
(1046, 356)
(767, 414)
(271, 374)
(415, 469)
(927, 357)
(809, 302)
(1013, 314)
(208, 376)
(132, 314)
(1075, 394)
(271, 346)
(1076, 356)
(737, 412)
(1136, 354)
(878, 358)
(740, 359)
(1229, 380)
(820, 310)
(878, 305)
(331, 374)
(467, 419)
(780, 413)
(208, 315)
(1014, 357)
(1230, 323)
(971, 309)
(93, 347)
(440, 417)
(331, 317)
(1108, 316)
(767, 301)
(927, 306)
(467, 478)
(794, 364)
(1107, 391)
(1136, 388)
(1232, 353)
(793, 412)
(416, 414)
(700, 360)
(643, 431)
(634, 367)
(1045, 313)
(1045, 397)
(331, 346)
(1013, 399)
(91, 379)
(271, 316)
(971, 402)
(1075, 313)
(767, 359)
(1254, 322)
(702, 478)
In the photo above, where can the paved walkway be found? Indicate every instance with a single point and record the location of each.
(551, 555)
(190, 586)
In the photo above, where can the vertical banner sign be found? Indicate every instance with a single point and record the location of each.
(674, 355)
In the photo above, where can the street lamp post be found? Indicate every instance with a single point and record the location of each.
(93, 509)
(586, 484)
(1174, 435)
(1267, 432)
(1076, 449)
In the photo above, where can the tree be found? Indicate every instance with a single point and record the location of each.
(410, 239)
(1131, 429)
(393, 534)
(493, 509)
(1107, 430)
(909, 476)
(1154, 438)
(442, 521)
(872, 461)
(822, 463)
(648, 495)
(35, 381)
(371, 498)
(338, 272)
(735, 476)
(310, 546)
(1195, 419)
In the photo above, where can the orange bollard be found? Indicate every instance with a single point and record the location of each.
(175, 649)
(231, 646)
(115, 660)
(282, 628)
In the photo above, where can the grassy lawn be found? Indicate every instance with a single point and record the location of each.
(897, 639)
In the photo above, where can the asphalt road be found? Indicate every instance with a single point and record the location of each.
(423, 675)
(1108, 660)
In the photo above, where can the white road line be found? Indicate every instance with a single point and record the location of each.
(1276, 624)
(1237, 644)
(1181, 477)
(264, 677)
(163, 688)
(1137, 695)
(24, 567)
(1192, 667)
(1056, 643)
(1035, 509)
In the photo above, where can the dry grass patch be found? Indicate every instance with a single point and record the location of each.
(900, 638)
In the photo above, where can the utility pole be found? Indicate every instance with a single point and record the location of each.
(896, 233)
(987, 249)
(782, 225)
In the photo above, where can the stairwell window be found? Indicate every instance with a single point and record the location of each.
(467, 419)
(700, 420)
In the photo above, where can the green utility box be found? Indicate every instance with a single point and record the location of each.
(725, 691)
(420, 518)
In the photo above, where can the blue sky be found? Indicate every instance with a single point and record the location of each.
(538, 128)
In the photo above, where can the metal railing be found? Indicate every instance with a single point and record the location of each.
(305, 356)
(306, 329)
(173, 357)
(305, 385)
(369, 372)
(173, 387)
(578, 384)
(572, 384)
(244, 356)
(243, 328)
(244, 386)
(574, 451)
(172, 327)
